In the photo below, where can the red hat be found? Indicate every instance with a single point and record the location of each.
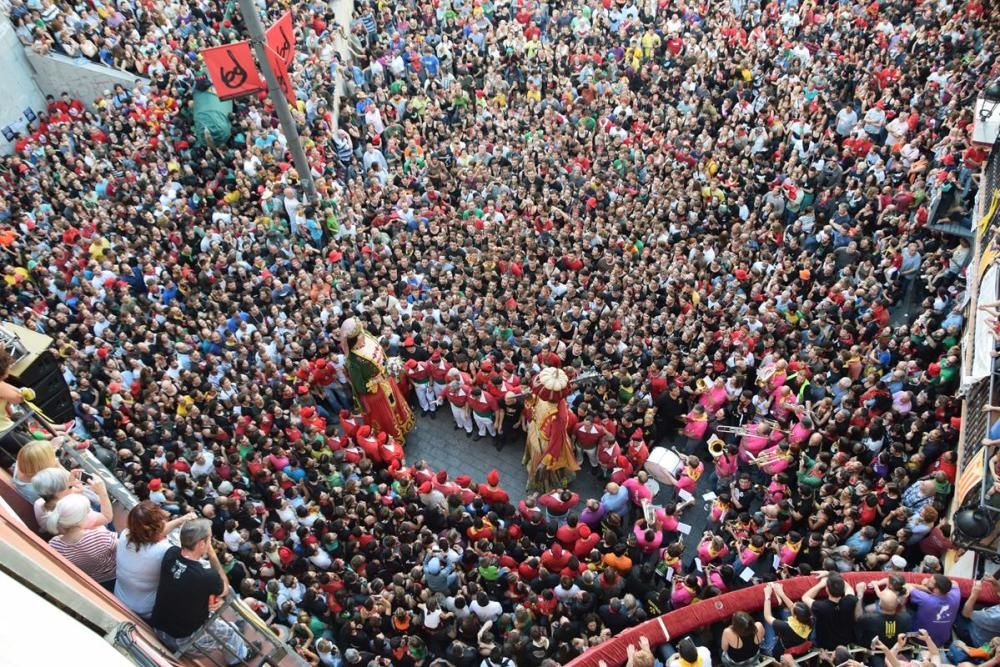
(320, 363)
(463, 481)
(381, 437)
(335, 256)
(637, 434)
(557, 550)
(410, 363)
(303, 389)
(155, 484)
(934, 370)
(583, 530)
(487, 364)
(364, 431)
(409, 342)
(426, 487)
(115, 387)
(442, 476)
(514, 531)
(102, 352)
(621, 462)
(307, 412)
(741, 274)
(493, 478)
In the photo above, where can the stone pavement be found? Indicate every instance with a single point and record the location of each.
(437, 442)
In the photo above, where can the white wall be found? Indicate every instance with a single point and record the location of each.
(16, 82)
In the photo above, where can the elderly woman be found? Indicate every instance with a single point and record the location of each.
(139, 554)
(54, 484)
(90, 549)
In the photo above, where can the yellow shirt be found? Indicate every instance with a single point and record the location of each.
(650, 42)
(98, 246)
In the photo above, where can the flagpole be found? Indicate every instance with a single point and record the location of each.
(251, 19)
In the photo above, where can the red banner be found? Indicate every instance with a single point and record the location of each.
(281, 74)
(281, 38)
(232, 70)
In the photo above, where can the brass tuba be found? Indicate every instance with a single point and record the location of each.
(716, 447)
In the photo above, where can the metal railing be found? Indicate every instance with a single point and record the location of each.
(986, 391)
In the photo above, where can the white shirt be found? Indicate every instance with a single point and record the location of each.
(232, 540)
(490, 612)
(138, 573)
(206, 468)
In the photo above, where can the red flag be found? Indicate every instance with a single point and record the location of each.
(232, 70)
(281, 38)
(281, 74)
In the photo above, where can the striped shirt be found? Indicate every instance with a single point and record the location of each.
(94, 552)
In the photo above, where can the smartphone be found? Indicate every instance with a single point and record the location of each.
(85, 477)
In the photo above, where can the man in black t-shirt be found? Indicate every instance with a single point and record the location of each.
(885, 622)
(510, 409)
(189, 592)
(834, 616)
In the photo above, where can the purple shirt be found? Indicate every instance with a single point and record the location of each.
(936, 614)
(591, 517)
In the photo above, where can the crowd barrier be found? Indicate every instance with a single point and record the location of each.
(680, 622)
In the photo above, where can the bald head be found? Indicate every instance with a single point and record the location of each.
(888, 601)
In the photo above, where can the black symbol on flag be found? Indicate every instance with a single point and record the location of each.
(286, 45)
(235, 77)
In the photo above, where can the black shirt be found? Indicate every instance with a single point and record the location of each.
(876, 624)
(182, 596)
(834, 622)
(788, 637)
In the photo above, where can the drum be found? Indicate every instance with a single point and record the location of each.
(660, 461)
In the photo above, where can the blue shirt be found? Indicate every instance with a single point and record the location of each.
(430, 64)
(616, 503)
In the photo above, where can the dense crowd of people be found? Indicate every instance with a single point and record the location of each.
(727, 209)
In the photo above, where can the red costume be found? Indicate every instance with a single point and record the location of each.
(378, 395)
(608, 453)
(637, 451)
(492, 493)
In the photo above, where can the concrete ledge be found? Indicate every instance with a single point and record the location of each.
(55, 73)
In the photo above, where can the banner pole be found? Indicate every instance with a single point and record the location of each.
(256, 29)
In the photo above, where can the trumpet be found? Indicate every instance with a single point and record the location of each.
(765, 459)
(716, 446)
(734, 430)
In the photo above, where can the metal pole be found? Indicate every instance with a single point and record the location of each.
(256, 29)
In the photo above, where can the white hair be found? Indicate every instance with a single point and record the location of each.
(50, 481)
(70, 511)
